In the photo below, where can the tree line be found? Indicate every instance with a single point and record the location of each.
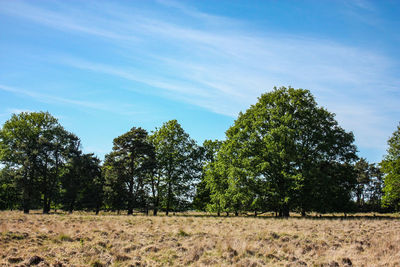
(283, 154)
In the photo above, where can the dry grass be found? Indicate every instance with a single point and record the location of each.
(110, 240)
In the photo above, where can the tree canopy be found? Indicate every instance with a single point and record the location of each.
(284, 153)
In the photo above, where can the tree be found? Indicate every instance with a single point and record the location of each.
(209, 152)
(368, 190)
(129, 166)
(278, 153)
(390, 166)
(374, 189)
(93, 191)
(178, 166)
(363, 179)
(32, 143)
(81, 182)
(57, 149)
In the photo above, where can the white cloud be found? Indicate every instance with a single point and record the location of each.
(46, 98)
(17, 110)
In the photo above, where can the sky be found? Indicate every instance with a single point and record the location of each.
(103, 67)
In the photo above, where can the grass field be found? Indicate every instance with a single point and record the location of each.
(111, 240)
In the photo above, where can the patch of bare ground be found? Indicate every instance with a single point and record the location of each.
(111, 240)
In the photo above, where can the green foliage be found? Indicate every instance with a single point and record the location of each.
(36, 146)
(81, 183)
(209, 152)
(10, 197)
(368, 190)
(178, 167)
(280, 154)
(128, 169)
(391, 168)
(283, 154)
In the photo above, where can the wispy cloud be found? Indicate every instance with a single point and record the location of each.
(46, 98)
(17, 110)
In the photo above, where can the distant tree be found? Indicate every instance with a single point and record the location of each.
(278, 153)
(81, 182)
(178, 166)
(368, 190)
(363, 179)
(390, 166)
(375, 188)
(209, 152)
(33, 143)
(93, 191)
(115, 196)
(129, 166)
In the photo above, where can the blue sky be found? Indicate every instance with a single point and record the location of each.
(104, 67)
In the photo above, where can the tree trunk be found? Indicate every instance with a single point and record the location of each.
(26, 194)
(26, 209)
(71, 206)
(285, 211)
(45, 190)
(236, 213)
(168, 198)
(218, 214)
(48, 204)
(130, 199)
(45, 211)
(97, 208)
(303, 213)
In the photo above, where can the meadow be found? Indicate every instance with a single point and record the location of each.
(83, 239)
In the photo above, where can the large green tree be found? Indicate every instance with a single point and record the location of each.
(178, 166)
(33, 144)
(128, 168)
(282, 152)
(391, 168)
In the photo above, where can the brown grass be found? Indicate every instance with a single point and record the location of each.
(111, 240)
